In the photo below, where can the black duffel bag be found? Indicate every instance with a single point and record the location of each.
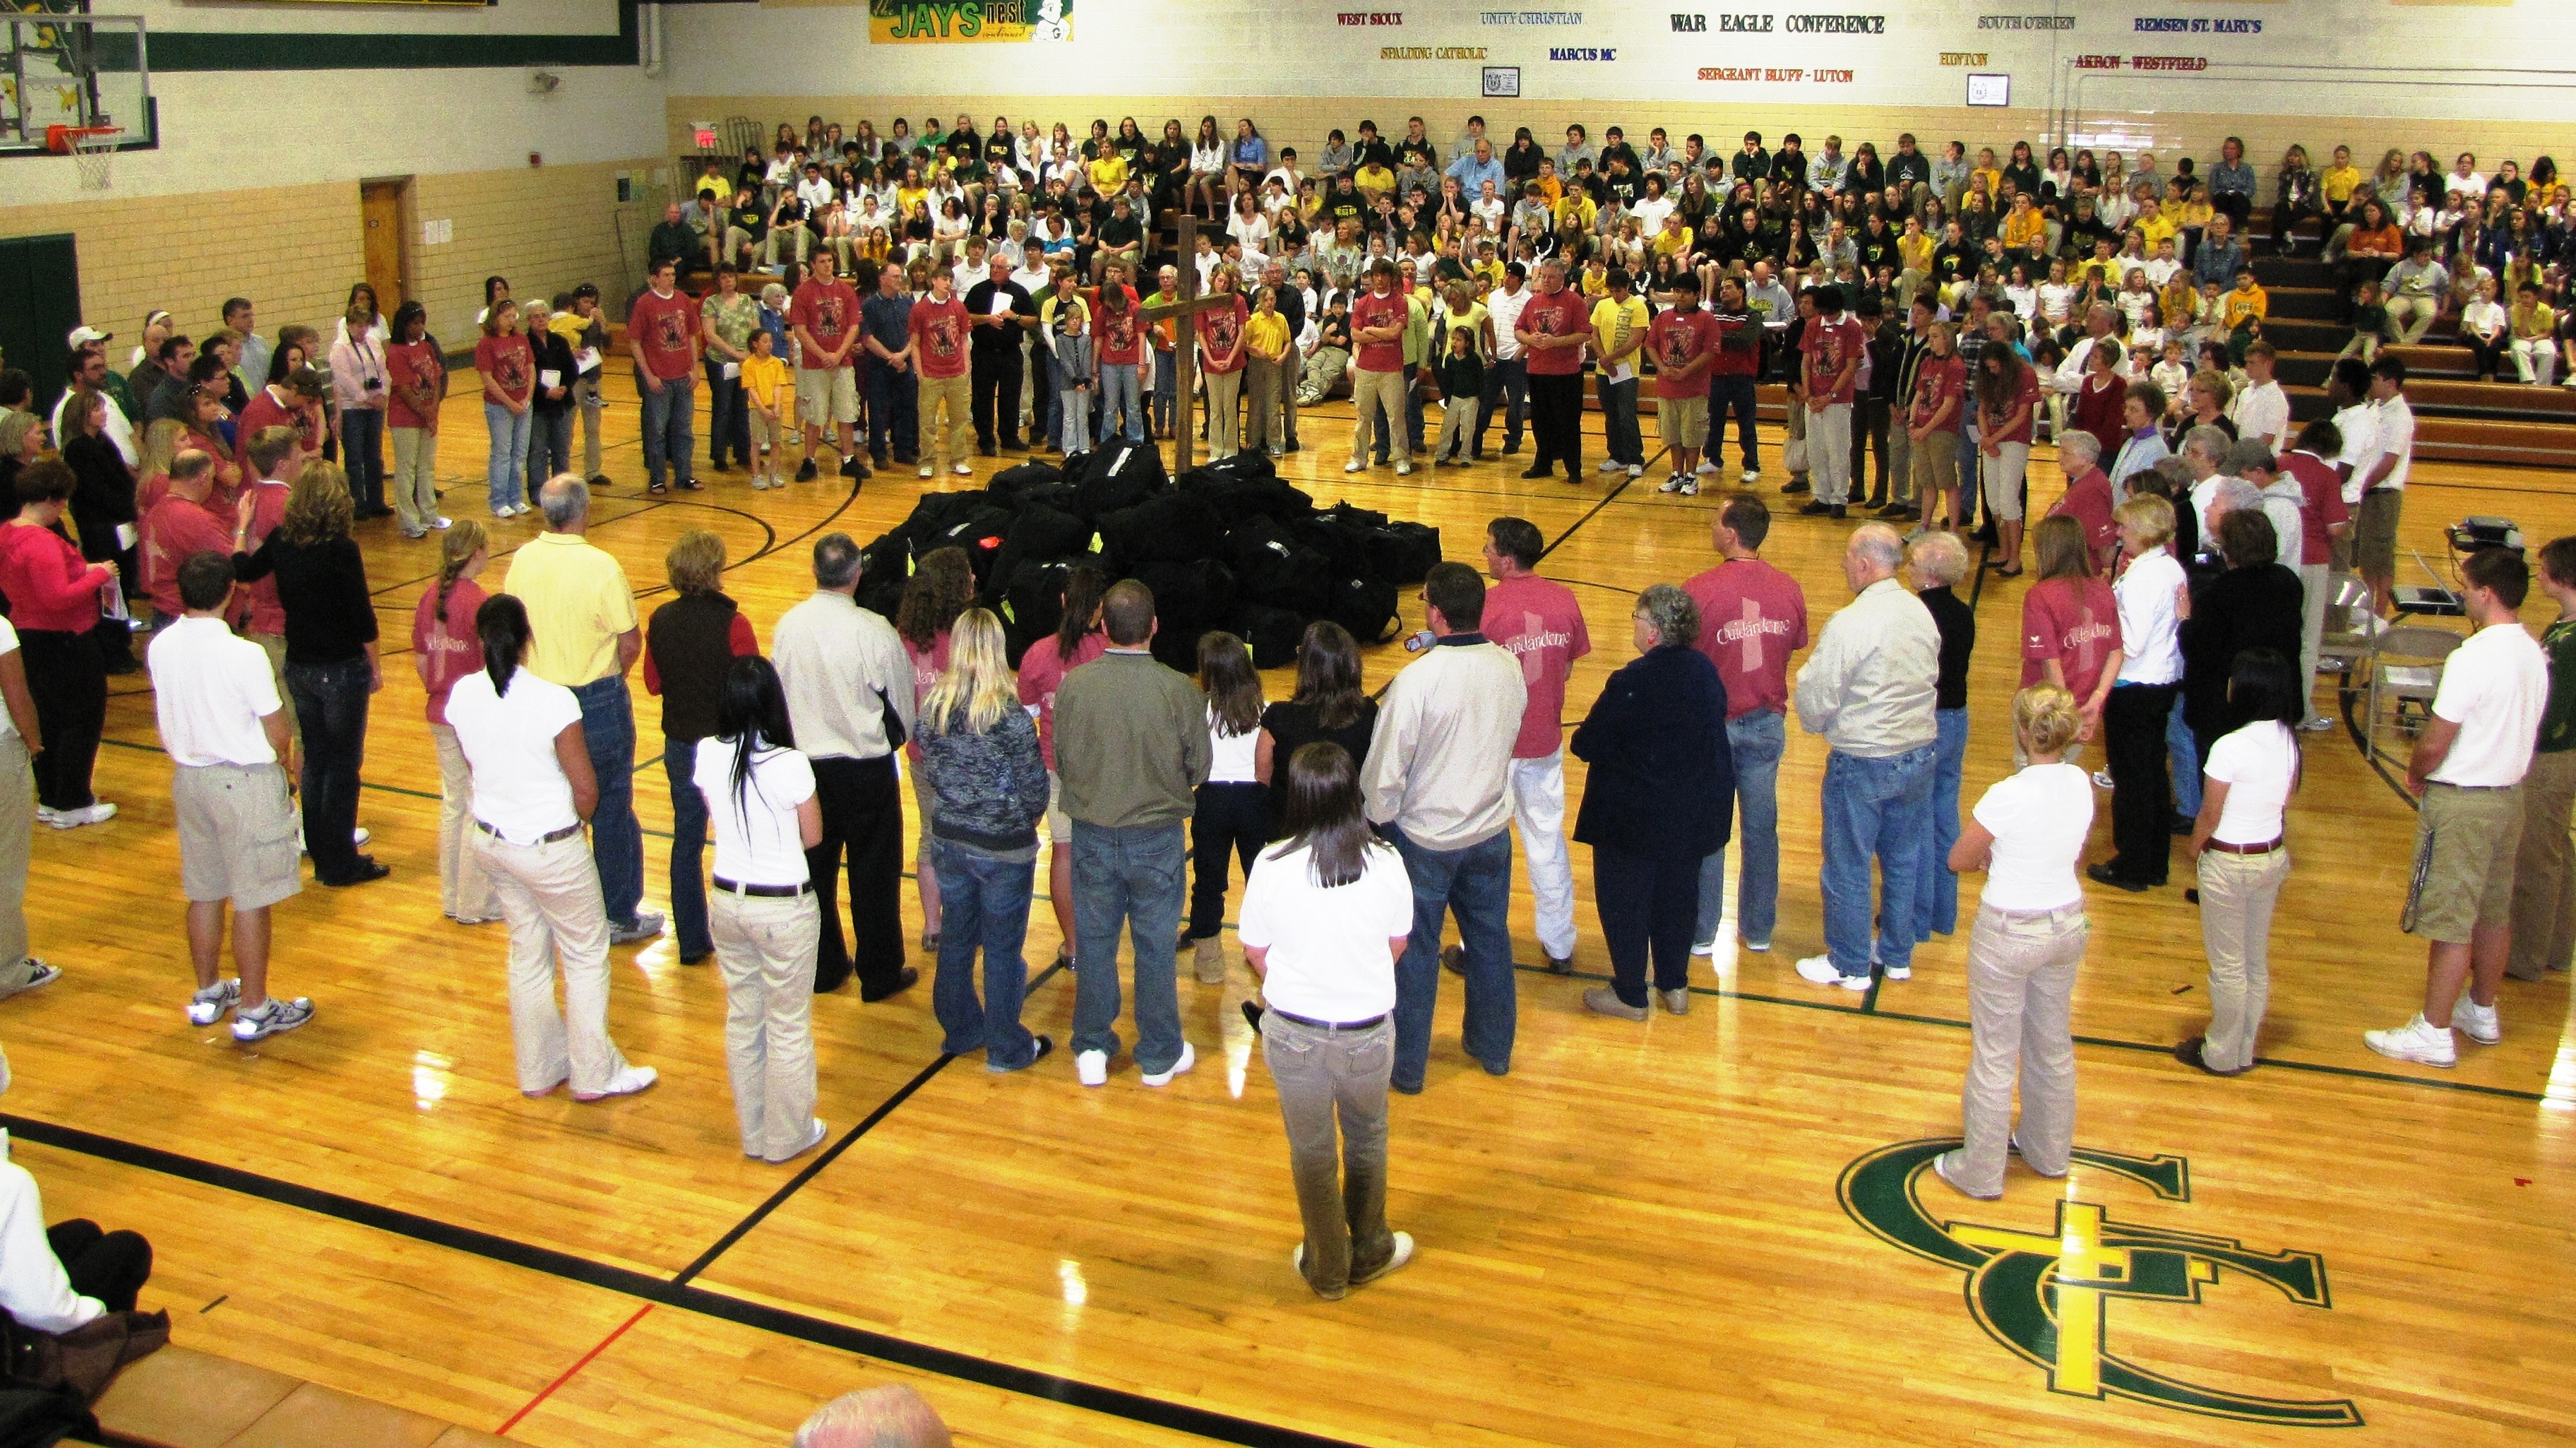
(1278, 567)
(1165, 528)
(1117, 476)
(979, 535)
(1011, 486)
(1273, 633)
(1364, 606)
(1402, 553)
(1343, 543)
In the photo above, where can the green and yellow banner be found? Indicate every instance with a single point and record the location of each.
(904, 22)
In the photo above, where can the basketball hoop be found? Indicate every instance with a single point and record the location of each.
(92, 147)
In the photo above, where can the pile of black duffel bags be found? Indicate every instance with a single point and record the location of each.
(1231, 546)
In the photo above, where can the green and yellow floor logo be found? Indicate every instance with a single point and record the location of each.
(2043, 1293)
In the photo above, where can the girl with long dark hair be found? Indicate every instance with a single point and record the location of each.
(2241, 854)
(1076, 641)
(1232, 813)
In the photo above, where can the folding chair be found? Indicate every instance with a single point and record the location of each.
(2342, 650)
(2410, 683)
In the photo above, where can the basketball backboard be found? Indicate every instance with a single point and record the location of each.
(79, 71)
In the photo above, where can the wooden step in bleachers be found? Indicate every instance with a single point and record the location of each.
(181, 1398)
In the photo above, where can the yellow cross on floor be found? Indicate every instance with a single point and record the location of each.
(2085, 1268)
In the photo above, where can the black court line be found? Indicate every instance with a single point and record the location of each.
(1595, 510)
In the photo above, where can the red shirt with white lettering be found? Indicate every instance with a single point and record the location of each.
(412, 365)
(2074, 621)
(1830, 347)
(1538, 622)
(2025, 400)
(1371, 310)
(1121, 334)
(1940, 380)
(1679, 338)
(668, 329)
(1221, 332)
(1752, 617)
(1564, 314)
(827, 311)
(939, 337)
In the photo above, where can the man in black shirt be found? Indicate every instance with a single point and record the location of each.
(999, 313)
(1908, 169)
(1790, 164)
(1345, 203)
(1614, 146)
(1872, 404)
(1368, 150)
(1120, 239)
(1416, 147)
(1752, 163)
(1622, 181)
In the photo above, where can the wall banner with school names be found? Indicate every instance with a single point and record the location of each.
(936, 22)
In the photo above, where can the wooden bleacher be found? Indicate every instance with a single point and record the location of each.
(181, 1398)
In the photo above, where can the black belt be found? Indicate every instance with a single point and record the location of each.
(567, 832)
(772, 892)
(1328, 1025)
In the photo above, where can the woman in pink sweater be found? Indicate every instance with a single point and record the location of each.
(54, 598)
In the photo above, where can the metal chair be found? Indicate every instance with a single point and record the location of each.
(2341, 651)
(2411, 683)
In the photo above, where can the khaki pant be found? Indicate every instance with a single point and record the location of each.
(1225, 432)
(2544, 870)
(2021, 978)
(1936, 470)
(1370, 392)
(558, 925)
(2465, 846)
(2237, 895)
(765, 949)
(17, 819)
(414, 485)
(464, 891)
(586, 392)
(957, 442)
(275, 646)
(1457, 428)
(1292, 375)
(1261, 394)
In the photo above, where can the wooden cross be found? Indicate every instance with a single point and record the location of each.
(1185, 430)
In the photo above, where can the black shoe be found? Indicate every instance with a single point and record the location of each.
(368, 870)
(1536, 472)
(1794, 485)
(829, 978)
(1453, 959)
(123, 664)
(2181, 825)
(1293, 445)
(904, 980)
(2191, 895)
(1252, 1013)
(1511, 449)
(1009, 444)
(1815, 509)
(2103, 874)
(807, 474)
(986, 449)
(1880, 501)
(717, 465)
(877, 460)
(1477, 456)
(599, 480)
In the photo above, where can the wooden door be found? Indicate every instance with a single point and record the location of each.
(380, 205)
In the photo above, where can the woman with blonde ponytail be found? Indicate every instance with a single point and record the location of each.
(444, 649)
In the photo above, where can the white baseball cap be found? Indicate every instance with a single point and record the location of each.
(82, 336)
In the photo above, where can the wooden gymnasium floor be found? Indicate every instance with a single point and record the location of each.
(1636, 1238)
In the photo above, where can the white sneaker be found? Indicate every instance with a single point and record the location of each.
(441, 524)
(928, 471)
(1091, 1068)
(1636, 470)
(1404, 467)
(272, 1017)
(1608, 466)
(2415, 1041)
(1706, 948)
(524, 509)
(1819, 970)
(1750, 477)
(208, 1006)
(1355, 465)
(359, 836)
(44, 814)
(1706, 469)
(2477, 1022)
(1758, 947)
(624, 1083)
(962, 470)
(1188, 1059)
(97, 813)
(1672, 483)
(1690, 486)
(2102, 779)
(1898, 972)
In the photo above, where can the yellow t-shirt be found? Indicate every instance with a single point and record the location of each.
(2156, 226)
(1611, 318)
(1265, 335)
(1108, 174)
(1370, 180)
(1916, 251)
(578, 604)
(2025, 229)
(2242, 305)
(2338, 183)
(766, 379)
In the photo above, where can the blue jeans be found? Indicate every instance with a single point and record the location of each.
(669, 415)
(2184, 754)
(616, 840)
(1164, 381)
(1476, 883)
(1733, 395)
(362, 452)
(894, 405)
(688, 849)
(1970, 474)
(509, 447)
(1506, 381)
(1619, 420)
(331, 714)
(1755, 741)
(549, 445)
(728, 415)
(984, 902)
(1874, 809)
(1118, 401)
(1136, 877)
(1936, 895)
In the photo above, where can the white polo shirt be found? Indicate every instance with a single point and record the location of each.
(210, 689)
(2396, 438)
(2495, 686)
(2359, 425)
(1506, 308)
(2262, 414)
(1328, 956)
(520, 788)
(2151, 645)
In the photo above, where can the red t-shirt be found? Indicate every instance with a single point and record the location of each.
(1042, 671)
(1220, 332)
(2324, 508)
(451, 646)
(1830, 347)
(2074, 621)
(265, 614)
(264, 411)
(1565, 314)
(1678, 339)
(927, 665)
(669, 329)
(1739, 344)
(508, 364)
(2097, 411)
(1121, 334)
(827, 311)
(2088, 501)
(1752, 617)
(411, 364)
(1539, 623)
(2025, 400)
(1371, 310)
(1939, 381)
(174, 531)
(939, 338)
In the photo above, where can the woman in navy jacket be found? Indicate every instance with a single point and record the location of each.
(1659, 796)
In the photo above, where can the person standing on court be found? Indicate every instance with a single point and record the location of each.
(2468, 770)
(1537, 621)
(1620, 323)
(1871, 688)
(1752, 618)
(825, 317)
(937, 326)
(850, 697)
(1379, 316)
(979, 751)
(758, 792)
(2149, 596)
(1438, 780)
(1326, 913)
(1553, 330)
(1938, 560)
(1656, 802)
(444, 649)
(225, 730)
(534, 783)
(2238, 849)
(689, 649)
(662, 332)
(1507, 374)
(2544, 873)
(19, 739)
(54, 604)
(1131, 747)
(587, 638)
(1831, 349)
(2027, 833)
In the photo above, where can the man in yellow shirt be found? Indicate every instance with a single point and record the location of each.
(582, 613)
(1619, 323)
(1373, 181)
